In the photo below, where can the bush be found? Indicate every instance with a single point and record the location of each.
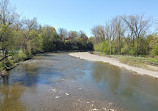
(19, 56)
(155, 50)
(103, 47)
(133, 51)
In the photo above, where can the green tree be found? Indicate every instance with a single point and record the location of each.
(7, 20)
(49, 35)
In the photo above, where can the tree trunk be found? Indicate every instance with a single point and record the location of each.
(110, 45)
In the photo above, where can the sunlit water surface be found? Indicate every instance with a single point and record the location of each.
(57, 81)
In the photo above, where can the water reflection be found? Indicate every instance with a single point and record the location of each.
(10, 98)
(139, 93)
(25, 74)
(5, 79)
(132, 92)
(31, 74)
(109, 78)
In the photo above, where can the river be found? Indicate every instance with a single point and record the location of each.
(59, 82)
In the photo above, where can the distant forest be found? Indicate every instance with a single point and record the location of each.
(126, 35)
(20, 38)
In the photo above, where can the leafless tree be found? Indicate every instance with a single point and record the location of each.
(119, 30)
(30, 24)
(137, 26)
(83, 36)
(99, 33)
(62, 34)
(109, 34)
(73, 36)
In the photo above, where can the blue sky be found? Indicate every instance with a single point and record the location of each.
(82, 14)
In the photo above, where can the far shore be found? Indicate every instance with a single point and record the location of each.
(114, 61)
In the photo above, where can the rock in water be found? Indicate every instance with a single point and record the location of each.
(67, 94)
(95, 109)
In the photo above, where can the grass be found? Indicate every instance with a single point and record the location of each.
(146, 60)
(142, 62)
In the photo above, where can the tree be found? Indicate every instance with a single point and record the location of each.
(7, 20)
(73, 36)
(137, 27)
(30, 34)
(109, 34)
(99, 33)
(119, 31)
(62, 34)
(49, 35)
(83, 37)
(152, 40)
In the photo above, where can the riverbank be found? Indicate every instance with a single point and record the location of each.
(114, 61)
(13, 64)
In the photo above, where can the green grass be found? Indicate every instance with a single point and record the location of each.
(134, 61)
(146, 60)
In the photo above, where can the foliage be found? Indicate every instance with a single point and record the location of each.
(155, 49)
(21, 39)
(126, 35)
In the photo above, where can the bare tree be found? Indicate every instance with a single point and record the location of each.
(109, 34)
(62, 34)
(99, 33)
(73, 36)
(30, 24)
(119, 31)
(83, 36)
(137, 26)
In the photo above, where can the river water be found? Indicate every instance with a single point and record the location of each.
(59, 82)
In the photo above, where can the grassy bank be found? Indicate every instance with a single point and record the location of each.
(143, 62)
(12, 61)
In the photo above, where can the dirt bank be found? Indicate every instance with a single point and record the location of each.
(114, 61)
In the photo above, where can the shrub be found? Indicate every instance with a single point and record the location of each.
(155, 50)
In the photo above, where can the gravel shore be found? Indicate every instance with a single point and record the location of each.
(114, 61)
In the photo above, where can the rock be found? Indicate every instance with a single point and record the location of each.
(53, 90)
(110, 109)
(57, 97)
(95, 109)
(105, 109)
(111, 103)
(67, 94)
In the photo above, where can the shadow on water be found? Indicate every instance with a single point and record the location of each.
(10, 96)
(5, 80)
(132, 91)
(32, 74)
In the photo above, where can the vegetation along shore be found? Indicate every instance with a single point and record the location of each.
(21, 38)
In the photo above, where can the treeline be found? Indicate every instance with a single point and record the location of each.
(22, 38)
(126, 35)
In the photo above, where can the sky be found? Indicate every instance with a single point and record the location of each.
(82, 14)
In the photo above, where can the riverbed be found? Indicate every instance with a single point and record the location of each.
(59, 82)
